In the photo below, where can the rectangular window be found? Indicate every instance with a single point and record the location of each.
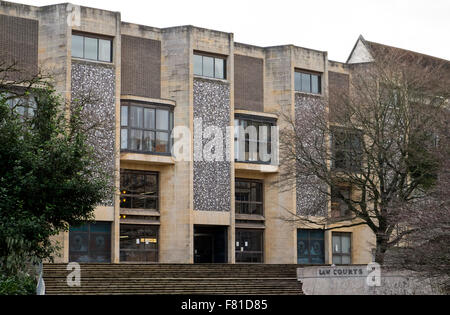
(210, 67)
(342, 249)
(92, 48)
(339, 208)
(249, 197)
(249, 246)
(253, 140)
(90, 243)
(23, 105)
(139, 190)
(308, 82)
(104, 50)
(77, 46)
(347, 149)
(146, 129)
(310, 247)
(139, 243)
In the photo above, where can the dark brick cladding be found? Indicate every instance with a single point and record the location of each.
(141, 67)
(338, 87)
(19, 45)
(248, 83)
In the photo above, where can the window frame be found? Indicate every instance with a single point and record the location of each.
(89, 233)
(98, 38)
(249, 203)
(336, 205)
(309, 239)
(154, 130)
(341, 254)
(350, 164)
(132, 250)
(311, 74)
(239, 253)
(136, 172)
(214, 56)
(19, 100)
(271, 122)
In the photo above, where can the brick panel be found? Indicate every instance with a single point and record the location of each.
(141, 67)
(248, 83)
(338, 87)
(19, 45)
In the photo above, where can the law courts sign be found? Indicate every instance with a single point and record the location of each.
(359, 280)
(353, 271)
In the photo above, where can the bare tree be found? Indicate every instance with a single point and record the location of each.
(374, 152)
(426, 250)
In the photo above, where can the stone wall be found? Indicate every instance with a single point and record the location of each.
(359, 280)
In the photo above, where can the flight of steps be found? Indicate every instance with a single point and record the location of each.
(137, 279)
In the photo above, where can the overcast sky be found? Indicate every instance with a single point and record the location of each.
(328, 25)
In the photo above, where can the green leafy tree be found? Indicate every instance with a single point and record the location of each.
(49, 178)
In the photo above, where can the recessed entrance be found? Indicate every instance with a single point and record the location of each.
(210, 244)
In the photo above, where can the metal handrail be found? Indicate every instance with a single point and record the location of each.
(40, 288)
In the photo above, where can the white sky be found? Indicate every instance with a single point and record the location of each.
(328, 25)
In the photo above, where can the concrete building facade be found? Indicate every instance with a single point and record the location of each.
(148, 81)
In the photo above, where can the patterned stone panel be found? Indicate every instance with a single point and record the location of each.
(212, 179)
(310, 199)
(94, 86)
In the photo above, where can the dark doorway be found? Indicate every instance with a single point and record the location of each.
(210, 244)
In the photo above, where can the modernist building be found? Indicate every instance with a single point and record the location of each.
(149, 80)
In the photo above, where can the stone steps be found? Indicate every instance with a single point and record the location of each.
(166, 279)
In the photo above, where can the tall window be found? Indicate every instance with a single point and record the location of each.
(253, 140)
(339, 208)
(342, 249)
(249, 246)
(210, 67)
(310, 247)
(308, 82)
(146, 129)
(347, 149)
(92, 48)
(139, 243)
(249, 196)
(139, 190)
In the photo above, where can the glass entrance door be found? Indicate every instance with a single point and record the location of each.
(139, 243)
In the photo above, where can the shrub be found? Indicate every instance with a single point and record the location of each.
(17, 285)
